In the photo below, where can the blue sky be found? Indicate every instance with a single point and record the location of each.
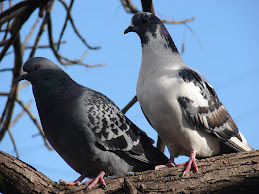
(223, 48)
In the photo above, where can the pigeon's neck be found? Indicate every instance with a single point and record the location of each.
(160, 35)
(53, 86)
(157, 54)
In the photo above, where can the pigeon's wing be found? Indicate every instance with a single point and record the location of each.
(113, 131)
(211, 116)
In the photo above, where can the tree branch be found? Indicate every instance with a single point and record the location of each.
(41, 30)
(8, 111)
(12, 124)
(147, 6)
(13, 141)
(65, 24)
(74, 26)
(229, 173)
(28, 37)
(130, 104)
(20, 17)
(63, 60)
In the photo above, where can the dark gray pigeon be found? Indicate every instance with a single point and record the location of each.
(179, 102)
(86, 128)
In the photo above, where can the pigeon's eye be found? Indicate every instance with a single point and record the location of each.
(144, 20)
(36, 66)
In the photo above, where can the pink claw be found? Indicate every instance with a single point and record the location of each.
(190, 162)
(170, 163)
(91, 182)
(76, 182)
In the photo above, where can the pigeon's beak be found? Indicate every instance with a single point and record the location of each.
(131, 28)
(22, 76)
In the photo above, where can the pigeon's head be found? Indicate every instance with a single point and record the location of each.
(38, 68)
(149, 27)
(143, 22)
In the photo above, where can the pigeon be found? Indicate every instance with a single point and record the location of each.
(179, 102)
(86, 128)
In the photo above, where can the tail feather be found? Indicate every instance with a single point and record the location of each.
(237, 145)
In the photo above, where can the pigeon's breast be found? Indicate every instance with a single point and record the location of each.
(157, 98)
(157, 95)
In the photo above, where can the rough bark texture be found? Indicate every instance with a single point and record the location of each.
(238, 172)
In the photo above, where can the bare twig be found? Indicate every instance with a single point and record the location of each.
(65, 24)
(45, 46)
(20, 115)
(13, 141)
(6, 31)
(11, 22)
(6, 69)
(30, 34)
(12, 11)
(37, 47)
(193, 33)
(74, 27)
(130, 104)
(178, 21)
(12, 124)
(8, 111)
(23, 14)
(62, 58)
(147, 6)
(9, 42)
(129, 7)
(22, 85)
(42, 28)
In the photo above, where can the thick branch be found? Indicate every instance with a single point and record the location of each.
(227, 173)
(23, 14)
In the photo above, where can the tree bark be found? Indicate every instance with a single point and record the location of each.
(237, 172)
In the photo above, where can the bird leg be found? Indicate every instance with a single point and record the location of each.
(189, 163)
(91, 182)
(170, 163)
(76, 182)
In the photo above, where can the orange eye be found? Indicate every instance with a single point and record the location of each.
(36, 67)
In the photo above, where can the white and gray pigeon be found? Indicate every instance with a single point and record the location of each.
(178, 102)
(86, 128)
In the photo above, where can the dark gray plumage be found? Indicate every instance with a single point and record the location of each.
(179, 102)
(85, 127)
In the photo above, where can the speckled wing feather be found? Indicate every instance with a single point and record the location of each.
(112, 129)
(214, 118)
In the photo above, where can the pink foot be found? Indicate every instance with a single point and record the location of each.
(76, 182)
(189, 164)
(170, 163)
(91, 182)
